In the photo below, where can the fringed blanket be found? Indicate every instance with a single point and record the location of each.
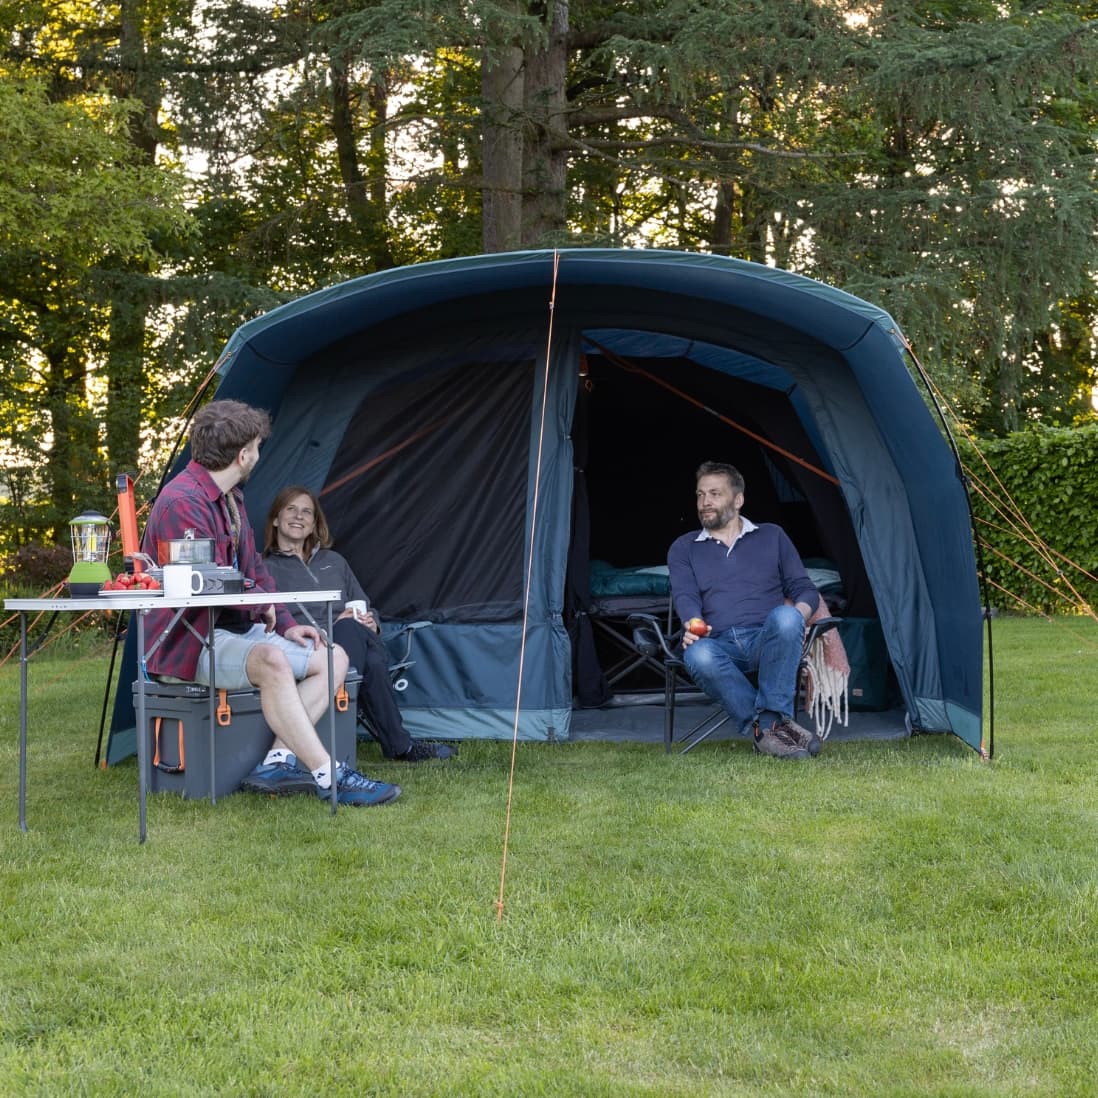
(827, 678)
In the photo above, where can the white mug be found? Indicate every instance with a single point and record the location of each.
(358, 607)
(181, 580)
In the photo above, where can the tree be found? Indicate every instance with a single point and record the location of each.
(72, 197)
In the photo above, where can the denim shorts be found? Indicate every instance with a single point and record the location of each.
(231, 654)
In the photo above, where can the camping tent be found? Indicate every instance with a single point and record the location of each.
(476, 428)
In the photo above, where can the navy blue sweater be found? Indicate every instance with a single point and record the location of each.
(740, 586)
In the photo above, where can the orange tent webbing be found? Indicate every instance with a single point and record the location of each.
(630, 367)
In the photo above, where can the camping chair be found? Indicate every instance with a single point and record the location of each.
(612, 619)
(615, 595)
(401, 638)
(649, 634)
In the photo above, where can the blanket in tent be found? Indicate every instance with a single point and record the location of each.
(826, 695)
(609, 582)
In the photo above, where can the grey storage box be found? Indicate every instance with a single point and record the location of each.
(178, 736)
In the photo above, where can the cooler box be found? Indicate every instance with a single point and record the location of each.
(178, 736)
(865, 647)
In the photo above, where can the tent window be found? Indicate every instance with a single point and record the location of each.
(433, 473)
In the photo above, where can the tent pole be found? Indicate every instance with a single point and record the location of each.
(989, 751)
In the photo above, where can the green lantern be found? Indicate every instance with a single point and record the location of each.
(91, 541)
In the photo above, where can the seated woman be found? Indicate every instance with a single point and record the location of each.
(297, 555)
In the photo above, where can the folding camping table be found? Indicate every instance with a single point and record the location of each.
(139, 605)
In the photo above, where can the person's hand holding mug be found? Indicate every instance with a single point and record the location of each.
(360, 610)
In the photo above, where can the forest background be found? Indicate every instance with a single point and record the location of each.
(172, 168)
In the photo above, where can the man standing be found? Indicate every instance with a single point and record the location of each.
(745, 591)
(265, 649)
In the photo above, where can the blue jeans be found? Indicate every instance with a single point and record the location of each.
(721, 662)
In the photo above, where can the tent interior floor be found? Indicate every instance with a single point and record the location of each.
(636, 718)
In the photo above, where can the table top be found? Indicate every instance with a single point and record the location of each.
(119, 600)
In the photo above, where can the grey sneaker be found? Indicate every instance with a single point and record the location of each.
(422, 750)
(802, 735)
(786, 740)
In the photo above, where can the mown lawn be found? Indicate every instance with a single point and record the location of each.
(891, 919)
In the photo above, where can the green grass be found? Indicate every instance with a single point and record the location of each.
(891, 919)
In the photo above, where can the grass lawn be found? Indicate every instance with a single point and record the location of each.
(890, 919)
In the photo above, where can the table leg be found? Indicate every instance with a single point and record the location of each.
(23, 657)
(331, 713)
(213, 703)
(142, 731)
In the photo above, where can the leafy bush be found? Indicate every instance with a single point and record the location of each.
(35, 568)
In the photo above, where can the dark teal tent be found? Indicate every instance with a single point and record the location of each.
(432, 405)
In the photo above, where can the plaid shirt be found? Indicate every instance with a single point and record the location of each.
(192, 501)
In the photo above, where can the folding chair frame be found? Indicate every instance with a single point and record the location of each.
(398, 669)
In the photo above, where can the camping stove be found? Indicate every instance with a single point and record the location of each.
(219, 579)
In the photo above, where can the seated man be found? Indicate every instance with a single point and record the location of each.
(262, 648)
(743, 589)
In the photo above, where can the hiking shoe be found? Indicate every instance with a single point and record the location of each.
(422, 750)
(785, 740)
(802, 735)
(279, 779)
(358, 791)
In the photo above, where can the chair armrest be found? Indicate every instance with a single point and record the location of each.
(818, 628)
(649, 637)
(407, 631)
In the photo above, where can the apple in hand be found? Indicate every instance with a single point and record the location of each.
(697, 627)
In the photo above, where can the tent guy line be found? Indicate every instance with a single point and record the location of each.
(526, 588)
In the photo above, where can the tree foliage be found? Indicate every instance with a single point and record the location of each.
(74, 198)
(937, 159)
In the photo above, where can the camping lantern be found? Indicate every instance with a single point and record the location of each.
(91, 540)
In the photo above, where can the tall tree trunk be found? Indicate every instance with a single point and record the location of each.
(74, 470)
(125, 377)
(502, 81)
(377, 155)
(125, 365)
(367, 216)
(545, 197)
(721, 235)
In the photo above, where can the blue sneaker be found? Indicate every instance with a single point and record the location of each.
(279, 779)
(357, 790)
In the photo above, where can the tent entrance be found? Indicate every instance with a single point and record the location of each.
(638, 445)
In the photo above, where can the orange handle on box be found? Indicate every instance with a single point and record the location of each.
(127, 520)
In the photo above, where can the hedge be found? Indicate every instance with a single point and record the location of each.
(1043, 488)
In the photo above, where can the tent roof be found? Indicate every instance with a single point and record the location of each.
(608, 279)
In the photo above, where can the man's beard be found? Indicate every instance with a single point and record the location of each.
(718, 519)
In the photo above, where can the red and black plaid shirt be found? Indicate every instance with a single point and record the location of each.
(192, 501)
